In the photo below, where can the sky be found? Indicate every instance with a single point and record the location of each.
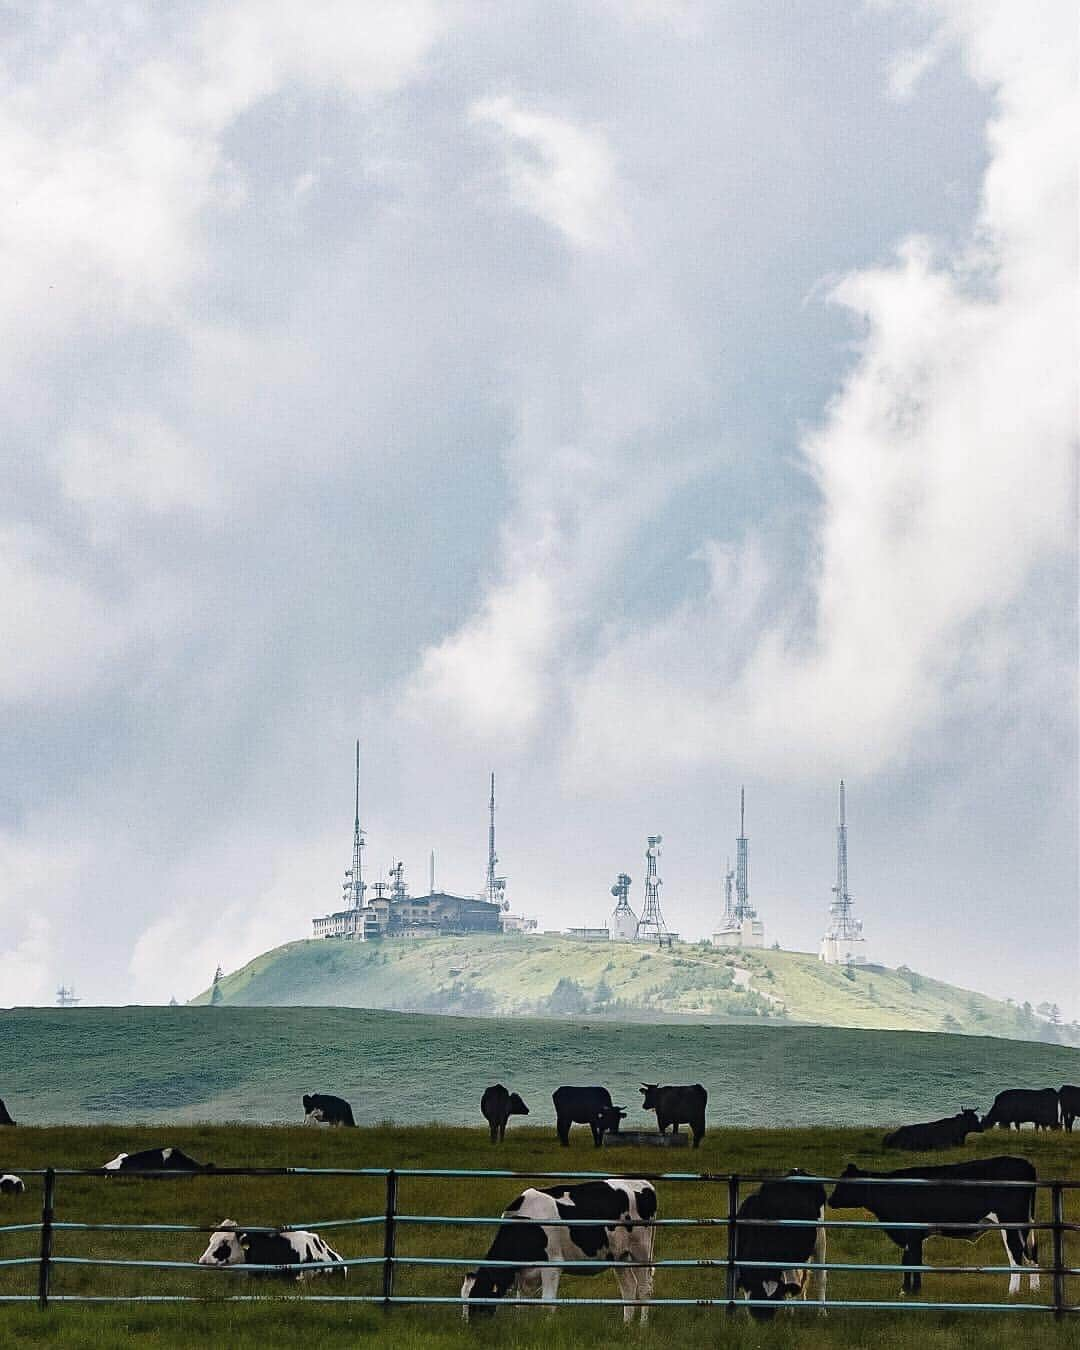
(636, 399)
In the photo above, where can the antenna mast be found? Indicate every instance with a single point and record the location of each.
(494, 886)
(651, 924)
(354, 887)
(743, 909)
(844, 942)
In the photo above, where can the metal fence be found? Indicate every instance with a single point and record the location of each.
(392, 1220)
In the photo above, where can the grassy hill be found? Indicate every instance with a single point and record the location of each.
(552, 976)
(182, 1065)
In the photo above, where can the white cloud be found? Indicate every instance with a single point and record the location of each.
(559, 171)
(945, 464)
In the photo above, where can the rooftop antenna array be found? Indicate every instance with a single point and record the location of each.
(843, 926)
(494, 886)
(651, 925)
(398, 889)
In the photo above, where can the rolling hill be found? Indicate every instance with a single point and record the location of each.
(557, 976)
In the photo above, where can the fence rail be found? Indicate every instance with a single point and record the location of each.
(391, 1219)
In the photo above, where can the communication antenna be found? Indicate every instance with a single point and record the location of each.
(743, 908)
(651, 925)
(398, 889)
(494, 886)
(65, 997)
(843, 926)
(353, 887)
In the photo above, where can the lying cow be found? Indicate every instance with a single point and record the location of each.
(949, 1132)
(232, 1246)
(525, 1243)
(677, 1106)
(156, 1160)
(497, 1105)
(1018, 1106)
(320, 1108)
(585, 1106)
(11, 1184)
(5, 1119)
(1069, 1099)
(936, 1205)
(789, 1248)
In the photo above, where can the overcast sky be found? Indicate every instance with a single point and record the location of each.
(637, 398)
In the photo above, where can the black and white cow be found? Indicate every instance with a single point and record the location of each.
(320, 1108)
(949, 1132)
(5, 1119)
(534, 1233)
(497, 1105)
(585, 1106)
(156, 1160)
(1069, 1099)
(789, 1248)
(1017, 1106)
(232, 1246)
(677, 1106)
(11, 1184)
(938, 1204)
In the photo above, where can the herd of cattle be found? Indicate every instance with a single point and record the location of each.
(780, 1232)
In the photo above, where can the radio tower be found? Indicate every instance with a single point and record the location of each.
(729, 920)
(843, 943)
(354, 887)
(651, 924)
(494, 886)
(623, 919)
(742, 866)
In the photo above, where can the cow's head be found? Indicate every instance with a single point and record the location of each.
(971, 1120)
(849, 1192)
(11, 1184)
(226, 1247)
(608, 1118)
(487, 1282)
(517, 1106)
(648, 1092)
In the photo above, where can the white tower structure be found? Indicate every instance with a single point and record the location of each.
(494, 886)
(354, 887)
(843, 943)
(740, 925)
(651, 925)
(624, 922)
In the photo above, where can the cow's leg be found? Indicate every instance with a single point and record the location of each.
(493, 1131)
(502, 1131)
(562, 1127)
(820, 1276)
(549, 1284)
(912, 1257)
(1014, 1252)
(628, 1289)
(646, 1274)
(597, 1134)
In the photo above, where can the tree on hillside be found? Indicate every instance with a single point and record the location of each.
(567, 997)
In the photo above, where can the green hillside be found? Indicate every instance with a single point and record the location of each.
(99, 1065)
(515, 976)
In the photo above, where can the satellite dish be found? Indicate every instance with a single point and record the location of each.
(616, 890)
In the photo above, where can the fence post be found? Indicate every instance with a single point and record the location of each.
(1057, 1216)
(732, 1207)
(46, 1237)
(389, 1238)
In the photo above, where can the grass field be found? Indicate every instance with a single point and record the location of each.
(253, 1064)
(291, 1317)
(538, 976)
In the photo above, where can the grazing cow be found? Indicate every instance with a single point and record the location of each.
(11, 1184)
(934, 1206)
(585, 1106)
(677, 1106)
(790, 1248)
(497, 1105)
(1019, 1105)
(5, 1119)
(232, 1246)
(526, 1243)
(1069, 1097)
(156, 1160)
(319, 1107)
(947, 1133)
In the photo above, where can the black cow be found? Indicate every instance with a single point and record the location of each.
(585, 1106)
(156, 1160)
(615, 1243)
(11, 1184)
(790, 1248)
(5, 1119)
(497, 1105)
(949, 1132)
(677, 1106)
(1019, 1105)
(1069, 1097)
(936, 1205)
(319, 1107)
(232, 1246)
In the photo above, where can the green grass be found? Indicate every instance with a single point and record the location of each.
(94, 1065)
(514, 975)
(290, 1317)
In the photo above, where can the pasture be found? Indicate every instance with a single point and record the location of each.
(291, 1314)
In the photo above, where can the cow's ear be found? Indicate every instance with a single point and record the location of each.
(227, 1223)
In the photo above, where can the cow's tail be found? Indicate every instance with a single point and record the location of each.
(1031, 1237)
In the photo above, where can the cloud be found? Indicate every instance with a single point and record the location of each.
(945, 470)
(561, 172)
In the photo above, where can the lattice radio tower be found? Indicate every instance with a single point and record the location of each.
(651, 925)
(843, 925)
(354, 887)
(742, 909)
(494, 886)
